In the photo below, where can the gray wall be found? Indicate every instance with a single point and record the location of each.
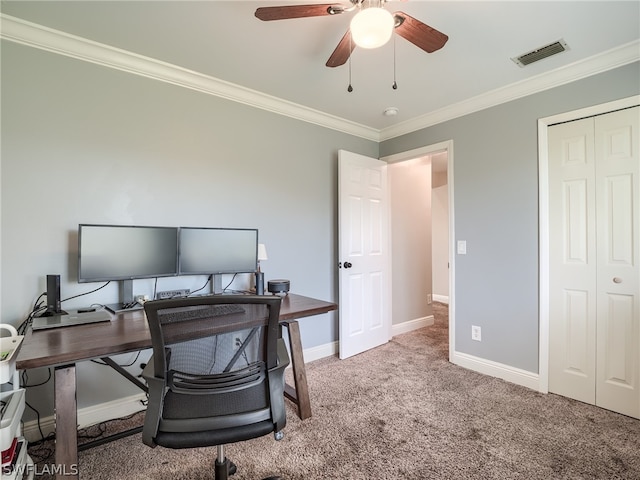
(495, 185)
(83, 143)
(87, 144)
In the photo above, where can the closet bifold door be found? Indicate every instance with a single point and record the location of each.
(594, 298)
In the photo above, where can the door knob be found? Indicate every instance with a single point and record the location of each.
(617, 280)
(347, 265)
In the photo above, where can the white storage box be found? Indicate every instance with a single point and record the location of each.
(9, 347)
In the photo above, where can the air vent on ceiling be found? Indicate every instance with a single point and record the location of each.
(540, 53)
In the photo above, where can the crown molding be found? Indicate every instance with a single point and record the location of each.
(616, 57)
(38, 36)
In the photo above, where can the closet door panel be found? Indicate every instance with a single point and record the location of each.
(572, 299)
(618, 271)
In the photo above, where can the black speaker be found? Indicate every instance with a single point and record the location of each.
(259, 283)
(278, 287)
(54, 306)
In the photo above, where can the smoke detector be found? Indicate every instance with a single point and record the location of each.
(540, 53)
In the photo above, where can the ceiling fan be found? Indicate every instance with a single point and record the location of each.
(371, 27)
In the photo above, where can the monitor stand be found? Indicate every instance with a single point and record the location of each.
(52, 313)
(216, 284)
(128, 304)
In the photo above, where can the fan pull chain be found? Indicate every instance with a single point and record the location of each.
(395, 85)
(350, 88)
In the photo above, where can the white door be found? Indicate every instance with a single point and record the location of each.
(617, 143)
(594, 298)
(364, 273)
(572, 283)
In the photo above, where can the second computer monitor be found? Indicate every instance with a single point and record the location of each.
(205, 251)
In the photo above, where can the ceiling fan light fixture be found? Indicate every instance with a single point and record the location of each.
(372, 27)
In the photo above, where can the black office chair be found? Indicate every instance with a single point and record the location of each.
(217, 373)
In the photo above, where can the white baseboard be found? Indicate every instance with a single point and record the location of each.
(333, 348)
(321, 351)
(498, 370)
(411, 325)
(88, 416)
(441, 298)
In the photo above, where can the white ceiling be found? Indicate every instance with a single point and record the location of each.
(286, 59)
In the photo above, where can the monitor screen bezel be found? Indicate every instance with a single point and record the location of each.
(218, 271)
(107, 278)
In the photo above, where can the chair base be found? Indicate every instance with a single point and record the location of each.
(223, 470)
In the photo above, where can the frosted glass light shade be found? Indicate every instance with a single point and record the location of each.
(262, 252)
(372, 27)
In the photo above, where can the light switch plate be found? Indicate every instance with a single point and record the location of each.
(462, 247)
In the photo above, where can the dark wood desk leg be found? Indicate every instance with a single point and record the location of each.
(66, 415)
(299, 395)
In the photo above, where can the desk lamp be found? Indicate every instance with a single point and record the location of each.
(262, 255)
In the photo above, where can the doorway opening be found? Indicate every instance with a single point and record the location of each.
(436, 163)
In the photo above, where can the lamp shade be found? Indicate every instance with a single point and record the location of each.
(372, 27)
(262, 252)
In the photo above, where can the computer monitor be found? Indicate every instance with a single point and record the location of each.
(216, 251)
(124, 253)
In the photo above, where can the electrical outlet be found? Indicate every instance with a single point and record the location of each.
(429, 299)
(173, 293)
(476, 333)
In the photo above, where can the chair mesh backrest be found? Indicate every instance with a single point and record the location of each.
(214, 346)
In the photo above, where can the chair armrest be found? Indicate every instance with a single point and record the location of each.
(276, 387)
(157, 388)
(283, 354)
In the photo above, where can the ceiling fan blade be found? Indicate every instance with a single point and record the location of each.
(342, 52)
(298, 11)
(421, 35)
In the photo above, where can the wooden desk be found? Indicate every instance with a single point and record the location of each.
(63, 347)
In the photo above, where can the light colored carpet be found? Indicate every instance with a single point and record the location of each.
(402, 411)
